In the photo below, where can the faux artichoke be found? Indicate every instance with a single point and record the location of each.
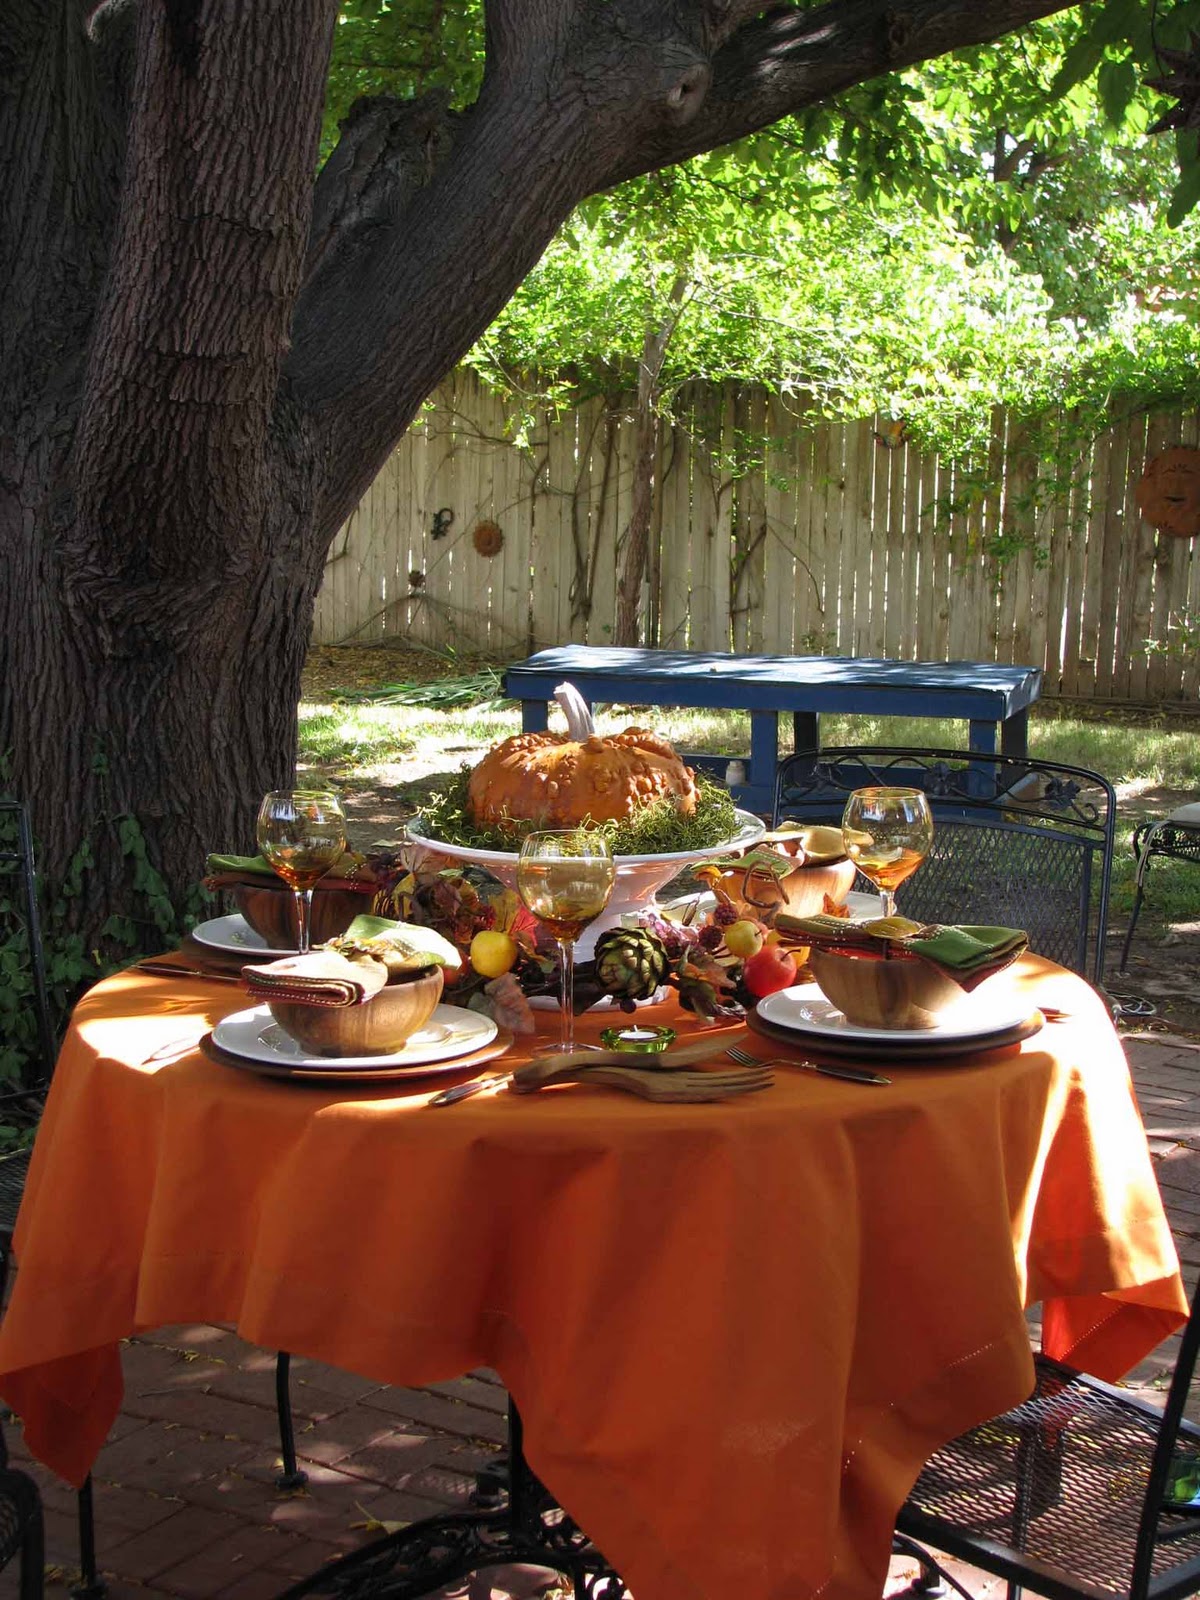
(630, 963)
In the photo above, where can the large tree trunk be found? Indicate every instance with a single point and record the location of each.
(201, 372)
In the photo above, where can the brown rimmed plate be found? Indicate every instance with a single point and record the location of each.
(906, 1050)
(323, 1077)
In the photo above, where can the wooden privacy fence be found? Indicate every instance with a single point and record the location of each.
(769, 535)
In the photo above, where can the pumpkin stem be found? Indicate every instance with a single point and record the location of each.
(577, 712)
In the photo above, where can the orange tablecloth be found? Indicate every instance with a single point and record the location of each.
(734, 1330)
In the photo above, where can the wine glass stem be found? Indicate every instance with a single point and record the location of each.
(888, 897)
(566, 951)
(303, 919)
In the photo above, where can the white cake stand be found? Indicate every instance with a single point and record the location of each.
(639, 878)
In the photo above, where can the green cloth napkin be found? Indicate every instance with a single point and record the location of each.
(966, 946)
(224, 871)
(238, 864)
(401, 946)
(967, 952)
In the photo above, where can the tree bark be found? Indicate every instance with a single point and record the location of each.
(200, 372)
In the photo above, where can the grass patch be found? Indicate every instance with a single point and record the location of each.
(347, 737)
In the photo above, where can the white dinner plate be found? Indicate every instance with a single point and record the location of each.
(804, 1010)
(254, 1035)
(234, 933)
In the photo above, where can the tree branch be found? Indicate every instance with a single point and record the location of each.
(789, 59)
(397, 296)
(387, 151)
(406, 276)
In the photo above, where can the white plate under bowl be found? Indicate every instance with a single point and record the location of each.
(451, 1031)
(235, 934)
(863, 905)
(860, 905)
(805, 1010)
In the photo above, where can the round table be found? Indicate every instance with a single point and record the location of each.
(734, 1330)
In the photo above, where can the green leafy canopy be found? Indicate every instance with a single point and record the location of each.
(995, 228)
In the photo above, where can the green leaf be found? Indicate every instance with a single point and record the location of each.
(1079, 61)
(1116, 84)
(1185, 195)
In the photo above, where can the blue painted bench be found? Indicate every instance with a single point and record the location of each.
(985, 695)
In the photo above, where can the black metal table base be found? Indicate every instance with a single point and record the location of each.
(525, 1527)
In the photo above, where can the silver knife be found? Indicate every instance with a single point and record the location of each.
(462, 1091)
(169, 969)
(852, 1074)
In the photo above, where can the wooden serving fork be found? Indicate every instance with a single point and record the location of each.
(670, 1086)
(563, 1066)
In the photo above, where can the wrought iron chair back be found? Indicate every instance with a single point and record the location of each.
(19, 910)
(20, 1507)
(1017, 842)
(1173, 838)
(1073, 1494)
(22, 1532)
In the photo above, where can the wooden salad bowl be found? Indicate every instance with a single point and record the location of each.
(801, 892)
(901, 991)
(381, 1026)
(271, 913)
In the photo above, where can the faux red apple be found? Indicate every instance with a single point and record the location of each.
(771, 969)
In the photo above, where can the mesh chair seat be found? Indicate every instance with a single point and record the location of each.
(1068, 1493)
(1061, 1479)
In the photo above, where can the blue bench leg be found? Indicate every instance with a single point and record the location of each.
(759, 793)
(806, 730)
(1014, 735)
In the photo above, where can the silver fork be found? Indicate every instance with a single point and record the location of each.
(850, 1074)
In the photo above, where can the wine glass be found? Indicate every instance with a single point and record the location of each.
(887, 834)
(302, 833)
(564, 878)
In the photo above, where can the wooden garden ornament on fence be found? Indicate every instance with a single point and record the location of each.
(1168, 495)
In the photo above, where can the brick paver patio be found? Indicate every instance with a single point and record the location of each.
(186, 1503)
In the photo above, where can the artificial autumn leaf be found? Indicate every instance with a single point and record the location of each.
(703, 985)
(509, 1007)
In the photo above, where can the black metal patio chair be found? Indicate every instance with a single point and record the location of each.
(1078, 1494)
(19, 915)
(22, 1534)
(1017, 842)
(1175, 838)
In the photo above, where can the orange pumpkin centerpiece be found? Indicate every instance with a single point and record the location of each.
(561, 780)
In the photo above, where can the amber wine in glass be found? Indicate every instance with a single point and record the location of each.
(302, 833)
(565, 878)
(887, 834)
